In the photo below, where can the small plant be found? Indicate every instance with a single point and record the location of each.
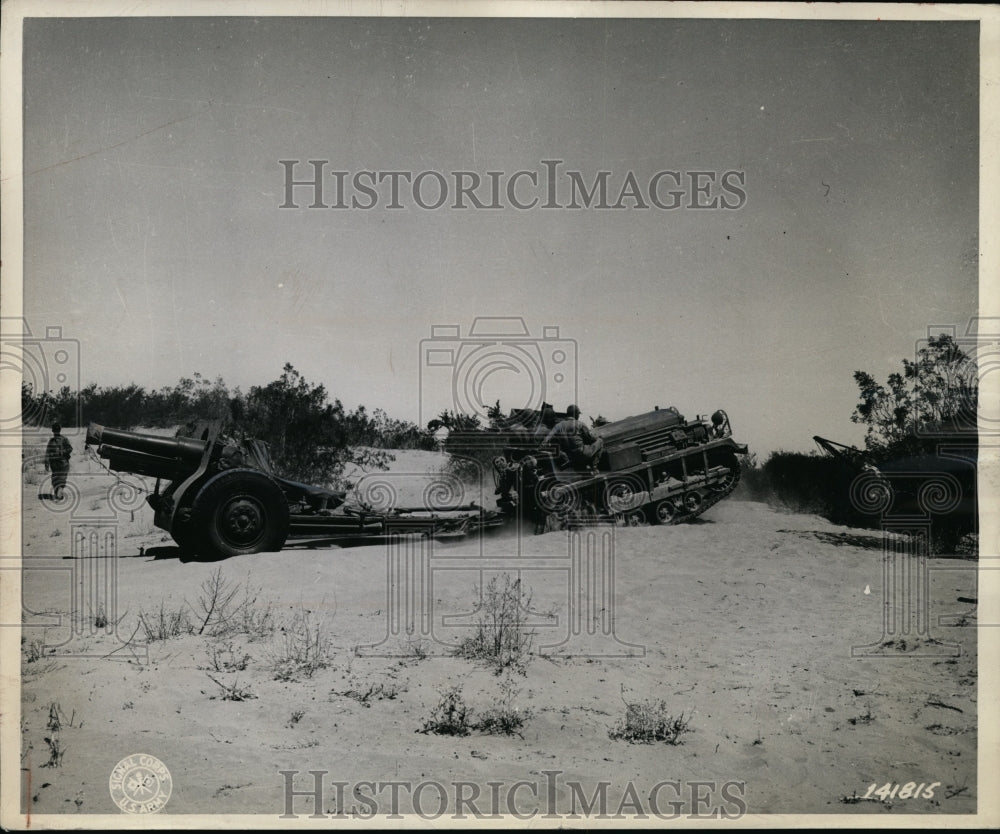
(649, 721)
(416, 649)
(501, 636)
(866, 718)
(54, 725)
(295, 718)
(217, 596)
(227, 660)
(376, 691)
(34, 651)
(250, 616)
(451, 715)
(305, 649)
(101, 617)
(233, 691)
(56, 751)
(163, 624)
(256, 620)
(504, 719)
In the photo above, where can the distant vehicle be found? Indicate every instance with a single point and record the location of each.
(222, 498)
(938, 483)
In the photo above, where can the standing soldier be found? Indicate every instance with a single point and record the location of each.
(57, 455)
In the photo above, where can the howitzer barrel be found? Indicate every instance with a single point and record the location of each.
(186, 449)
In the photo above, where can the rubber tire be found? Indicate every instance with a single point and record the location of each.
(253, 501)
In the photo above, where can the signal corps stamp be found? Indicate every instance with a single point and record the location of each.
(140, 784)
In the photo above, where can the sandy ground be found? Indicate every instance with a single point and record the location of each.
(743, 623)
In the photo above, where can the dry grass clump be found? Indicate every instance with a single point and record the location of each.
(648, 721)
(305, 648)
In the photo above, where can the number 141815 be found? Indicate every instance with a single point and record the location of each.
(894, 790)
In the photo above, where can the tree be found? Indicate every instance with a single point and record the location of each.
(938, 392)
(455, 421)
(308, 435)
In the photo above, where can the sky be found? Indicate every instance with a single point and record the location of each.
(154, 233)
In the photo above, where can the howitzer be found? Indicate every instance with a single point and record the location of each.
(147, 454)
(223, 498)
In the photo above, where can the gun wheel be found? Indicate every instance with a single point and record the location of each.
(240, 511)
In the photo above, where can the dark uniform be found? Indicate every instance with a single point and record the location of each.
(576, 440)
(57, 455)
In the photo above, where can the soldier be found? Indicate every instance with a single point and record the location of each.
(576, 440)
(545, 424)
(57, 455)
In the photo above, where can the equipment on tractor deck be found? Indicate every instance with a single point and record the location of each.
(655, 467)
(223, 498)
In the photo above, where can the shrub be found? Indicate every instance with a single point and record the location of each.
(501, 637)
(227, 660)
(451, 715)
(33, 650)
(163, 624)
(233, 691)
(305, 649)
(649, 721)
(223, 612)
(504, 718)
